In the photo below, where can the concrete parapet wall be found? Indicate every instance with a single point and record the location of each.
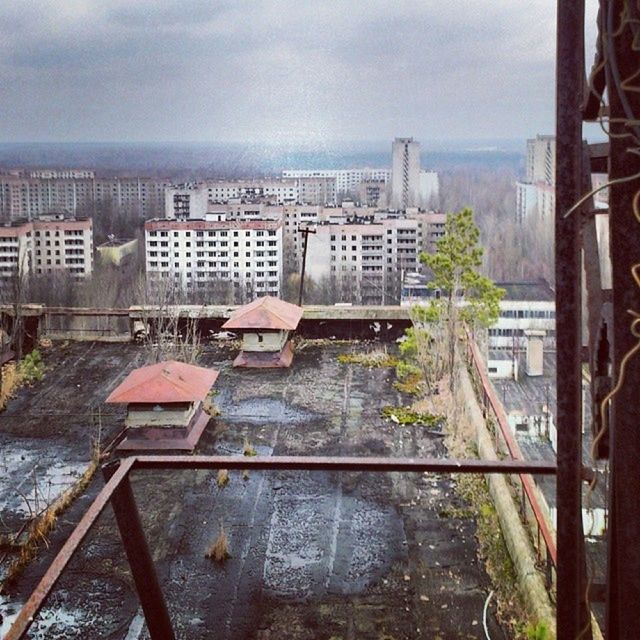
(74, 323)
(516, 537)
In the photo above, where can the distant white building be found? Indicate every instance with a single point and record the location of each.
(526, 307)
(405, 173)
(347, 180)
(185, 201)
(275, 191)
(429, 189)
(536, 194)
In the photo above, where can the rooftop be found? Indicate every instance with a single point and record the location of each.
(314, 554)
(528, 291)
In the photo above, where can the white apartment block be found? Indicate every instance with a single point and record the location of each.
(276, 191)
(536, 194)
(317, 191)
(541, 159)
(347, 180)
(405, 173)
(185, 201)
(48, 245)
(30, 197)
(195, 253)
(362, 259)
(16, 249)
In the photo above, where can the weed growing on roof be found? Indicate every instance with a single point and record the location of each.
(410, 378)
(219, 549)
(248, 449)
(31, 367)
(222, 479)
(370, 359)
(407, 416)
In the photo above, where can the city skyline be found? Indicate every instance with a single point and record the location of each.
(276, 72)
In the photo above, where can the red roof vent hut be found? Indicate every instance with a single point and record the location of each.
(164, 406)
(265, 324)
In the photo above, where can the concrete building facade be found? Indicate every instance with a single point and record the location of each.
(246, 255)
(363, 259)
(405, 173)
(347, 180)
(48, 245)
(26, 196)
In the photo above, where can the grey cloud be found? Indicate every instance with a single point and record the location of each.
(199, 68)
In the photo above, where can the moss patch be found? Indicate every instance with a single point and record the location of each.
(407, 415)
(370, 360)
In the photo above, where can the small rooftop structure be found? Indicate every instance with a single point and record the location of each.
(265, 323)
(115, 250)
(164, 405)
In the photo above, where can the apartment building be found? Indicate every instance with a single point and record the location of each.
(246, 254)
(346, 180)
(63, 174)
(47, 245)
(536, 194)
(405, 173)
(274, 191)
(16, 249)
(29, 196)
(317, 191)
(362, 259)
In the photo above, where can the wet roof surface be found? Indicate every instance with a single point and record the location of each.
(314, 555)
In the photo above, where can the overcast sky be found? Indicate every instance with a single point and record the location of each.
(293, 70)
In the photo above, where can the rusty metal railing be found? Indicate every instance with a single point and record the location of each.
(492, 407)
(117, 492)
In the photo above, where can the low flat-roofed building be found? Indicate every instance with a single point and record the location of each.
(117, 249)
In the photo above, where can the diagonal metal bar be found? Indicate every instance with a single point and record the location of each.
(142, 568)
(53, 573)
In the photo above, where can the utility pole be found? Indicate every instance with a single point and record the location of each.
(306, 231)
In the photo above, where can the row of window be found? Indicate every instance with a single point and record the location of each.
(527, 313)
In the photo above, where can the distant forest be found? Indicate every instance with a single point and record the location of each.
(182, 161)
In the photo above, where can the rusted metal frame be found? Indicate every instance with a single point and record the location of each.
(316, 463)
(527, 481)
(139, 557)
(120, 477)
(623, 585)
(573, 616)
(52, 575)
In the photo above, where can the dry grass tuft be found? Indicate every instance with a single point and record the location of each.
(10, 382)
(223, 478)
(248, 449)
(219, 549)
(210, 407)
(44, 524)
